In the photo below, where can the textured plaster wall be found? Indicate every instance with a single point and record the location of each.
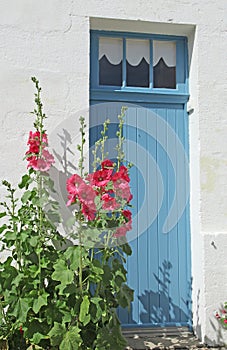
(50, 39)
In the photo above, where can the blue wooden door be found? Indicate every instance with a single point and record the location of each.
(156, 142)
(149, 74)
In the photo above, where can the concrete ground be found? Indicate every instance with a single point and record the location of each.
(164, 339)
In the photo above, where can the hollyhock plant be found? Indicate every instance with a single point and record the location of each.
(221, 316)
(38, 157)
(58, 293)
(103, 196)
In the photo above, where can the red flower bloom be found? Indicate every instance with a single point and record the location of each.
(88, 212)
(109, 203)
(122, 174)
(42, 164)
(34, 141)
(121, 231)
(225, 321)
(73, 183)
(71, 199)
(100, 178)
(21, 330)
(107, 164)
(87, 195)
(127, 214)
(122, 189)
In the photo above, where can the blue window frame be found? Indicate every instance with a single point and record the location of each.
(134, 66)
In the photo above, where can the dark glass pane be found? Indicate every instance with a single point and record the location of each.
(138, 76)
(137, 62)
(110, 61)
(109, 74)
(164, 76)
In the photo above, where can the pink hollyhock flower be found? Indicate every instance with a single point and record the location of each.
(122, 174)
(127, 214)
(71, 199)
(109, 203)
(121, 231)
(88, 212)
(107, 164)
(87, 195)
(122, 189)
(100, 178)
(73, 183)
(41, 164)
(34, 141)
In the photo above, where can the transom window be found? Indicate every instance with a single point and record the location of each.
(138, 62)
(134, 62)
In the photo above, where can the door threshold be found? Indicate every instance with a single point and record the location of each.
(156, 331)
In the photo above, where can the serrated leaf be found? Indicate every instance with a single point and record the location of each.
(24, 181)
(84, 309)
(62, 273)
(20, 310)
(41, 301)
(72, 340)
(10, 236)
(37, 337)
(125, 296)
(73, 254)
(3, 227)
(33, 241)
(26, 196)
(56, 334)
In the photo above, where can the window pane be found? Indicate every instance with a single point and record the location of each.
(110, 61)
(164, 64)
(137, 62)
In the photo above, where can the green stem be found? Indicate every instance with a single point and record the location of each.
(80, 264)
(40, 218)
(18, 247)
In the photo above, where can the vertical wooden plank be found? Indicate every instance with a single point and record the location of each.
(142, 163)
(133, 262)
(152, 231)
(182, 225)
(163, 249)
(174, 297)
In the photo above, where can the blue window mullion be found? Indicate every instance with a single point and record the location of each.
(124, 64)
(151, 65)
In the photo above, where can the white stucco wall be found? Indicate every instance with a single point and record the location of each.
(50, 40)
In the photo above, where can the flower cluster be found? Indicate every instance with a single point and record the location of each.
(222, 316)
(105, 193)
(38, 157)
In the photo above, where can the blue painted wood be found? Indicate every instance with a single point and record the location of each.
(181, 59)
(156, 132)
(158, 269)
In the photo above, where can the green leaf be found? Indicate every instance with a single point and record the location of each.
(26, 196)
(41, 301)
(21, 309)
(10, 236)
(2, 214)
(84, 309)
(62, 273)
(37, 337)
(57, 333)
(72, 340)
(3, 227)
(33, 241)
(24, 181)
(73, 255)
(125, 296)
